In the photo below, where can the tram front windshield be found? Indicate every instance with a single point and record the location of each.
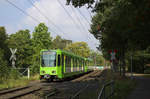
(48, 59)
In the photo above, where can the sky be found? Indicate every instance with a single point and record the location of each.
(74, 28)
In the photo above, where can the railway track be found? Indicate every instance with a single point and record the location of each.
(95, 74)
(91, 74)
(69, 89)
(24, 92)
(18, 92)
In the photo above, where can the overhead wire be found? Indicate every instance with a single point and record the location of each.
(72, 17)
(74, 22)
(83, 16)
(22, 11)
(69, 14)
(88, 11)
(85, 20)
(25, 13)
(49, 21)
(79, 20)
(36, 20)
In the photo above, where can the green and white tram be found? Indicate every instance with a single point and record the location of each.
(58, 64)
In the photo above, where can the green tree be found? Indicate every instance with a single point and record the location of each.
(59, 43)
(79, 48)
(4, 55)
(97, 58)
(123, 26)
(4, 71)
(41, 40)
(3, 37)
(22, 41)
(3, 43)
(80, 3)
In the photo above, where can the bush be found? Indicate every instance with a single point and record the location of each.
(137, 64)
(35, 68)
(4, 71)
(147, 71)
(123, 87)
(14, 74)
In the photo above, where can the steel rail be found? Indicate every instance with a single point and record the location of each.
(12, 93)
(24, 93)
(12, 90)
(51, 94)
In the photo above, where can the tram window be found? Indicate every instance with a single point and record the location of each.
(69, 61)
(83, 63)
(73, 62)
(66, 61)
(80, 63)
(58, 60)
(77, 62)
(62, 60)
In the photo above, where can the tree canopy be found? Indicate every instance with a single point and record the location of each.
(41, 40)
(59, 43)
(4, 54)
(79, 48)
(119, 24)
(22, 41)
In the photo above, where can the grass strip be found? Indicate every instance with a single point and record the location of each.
(12, 83)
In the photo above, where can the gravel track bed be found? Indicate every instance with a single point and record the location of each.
(85, 76)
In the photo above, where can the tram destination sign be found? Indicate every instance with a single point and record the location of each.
(48, 52)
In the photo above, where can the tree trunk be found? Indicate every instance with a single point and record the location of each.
(123, 64)
(124, 71)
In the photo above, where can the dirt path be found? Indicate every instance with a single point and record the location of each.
(142, 91)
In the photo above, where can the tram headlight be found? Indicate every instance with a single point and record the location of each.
(53, 72)
(43, 72)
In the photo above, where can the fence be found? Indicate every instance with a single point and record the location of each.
(24, 71)
(103, 94)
